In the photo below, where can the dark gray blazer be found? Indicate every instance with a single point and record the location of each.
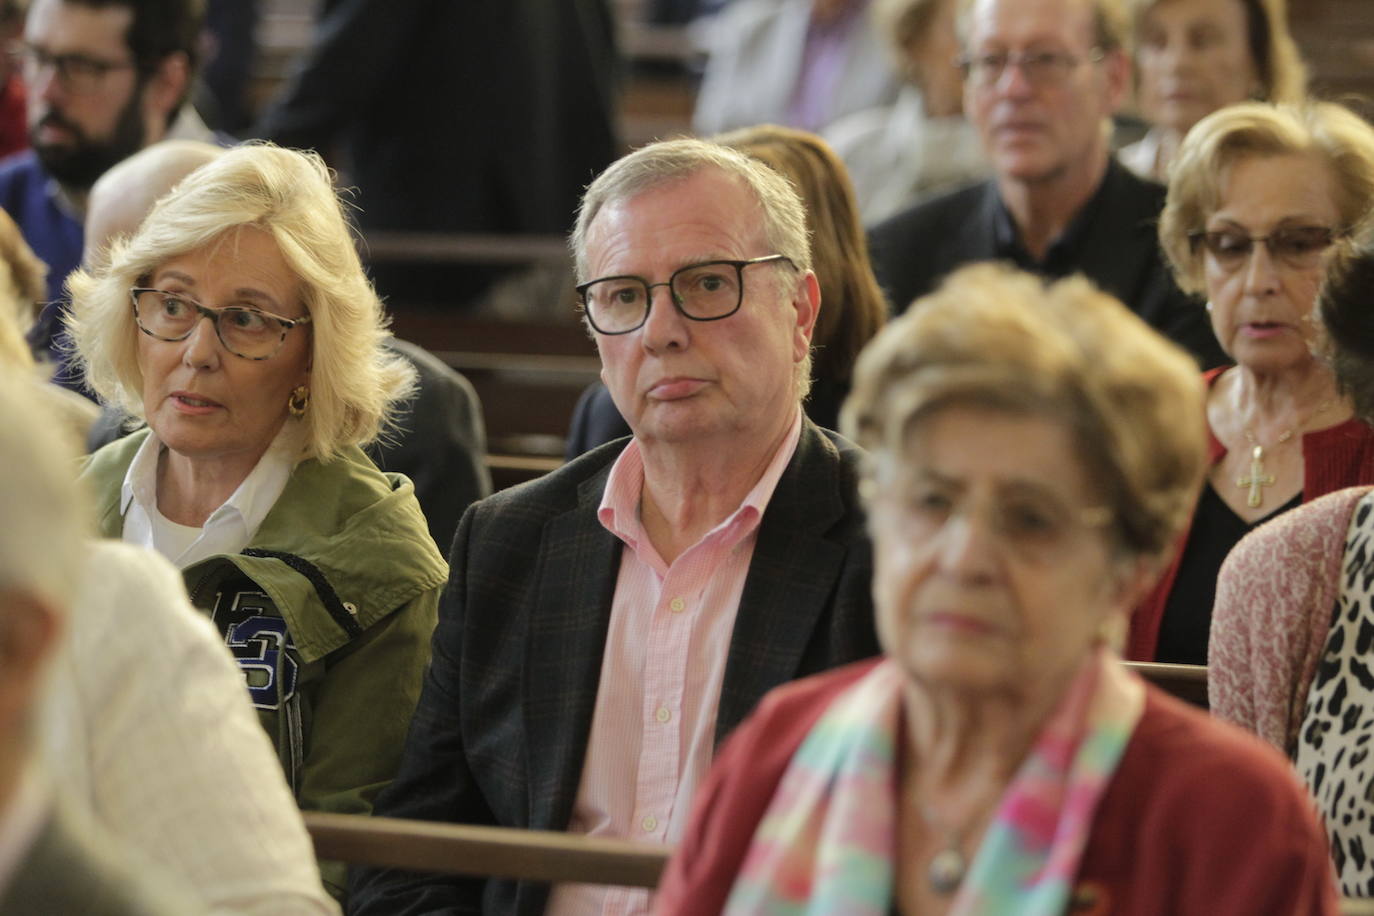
(73, 869)
(500, 733)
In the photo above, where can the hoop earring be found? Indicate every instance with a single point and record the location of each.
(299, 401)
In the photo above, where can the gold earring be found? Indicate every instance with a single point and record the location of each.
(299, 401)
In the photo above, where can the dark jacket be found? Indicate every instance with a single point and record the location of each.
(1113, 242)
(501, 731)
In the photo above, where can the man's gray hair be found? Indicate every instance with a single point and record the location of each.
(670, 161)
(45, 517)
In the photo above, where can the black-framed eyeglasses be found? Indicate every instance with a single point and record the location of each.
(708, 291)
(76, 72)
(1040, 68)
(245, 331)
(1297, 246)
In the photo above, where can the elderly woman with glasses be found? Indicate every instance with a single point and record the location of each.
(1033, 452)
(1259, 194)
(237, 323)
(1291, 651)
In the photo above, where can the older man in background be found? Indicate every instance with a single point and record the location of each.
(1043, 78)
(606, 626)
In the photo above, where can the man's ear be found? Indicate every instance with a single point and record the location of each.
(163, 91)
(807, 302)
(29, 628)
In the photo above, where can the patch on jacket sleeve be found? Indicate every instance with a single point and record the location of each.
(257, 636)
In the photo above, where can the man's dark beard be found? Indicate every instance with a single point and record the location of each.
(77, 166)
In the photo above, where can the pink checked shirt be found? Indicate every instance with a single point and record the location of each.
(654, 725)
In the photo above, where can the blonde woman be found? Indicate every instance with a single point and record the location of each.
(237, 323)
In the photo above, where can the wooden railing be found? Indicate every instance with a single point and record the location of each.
(1187, 682)
(530, 855)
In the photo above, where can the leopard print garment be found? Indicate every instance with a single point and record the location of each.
(1333, 753)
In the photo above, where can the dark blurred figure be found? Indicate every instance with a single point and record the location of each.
(456, 117)
(14, 130)
(233, 26)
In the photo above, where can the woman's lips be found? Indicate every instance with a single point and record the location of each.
(194, 404)
(1261, 330)
(959, 623)
(672, 389)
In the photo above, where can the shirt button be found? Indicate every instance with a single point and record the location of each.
(650, 823)
(677, 604)
(662, 714)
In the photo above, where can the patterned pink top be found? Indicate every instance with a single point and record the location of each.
(1273, 610)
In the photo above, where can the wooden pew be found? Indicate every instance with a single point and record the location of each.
(1187, 682)
(531, 855)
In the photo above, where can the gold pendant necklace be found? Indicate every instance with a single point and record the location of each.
(1257, 480)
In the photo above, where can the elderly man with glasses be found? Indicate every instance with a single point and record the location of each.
(1043, 78)
(104, 80)
(607, 626)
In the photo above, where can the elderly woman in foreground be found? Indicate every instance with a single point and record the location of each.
(238, 324)
(1260, 195)
(1034, 451)
(1291, 651)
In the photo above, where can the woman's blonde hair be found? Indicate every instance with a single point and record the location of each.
(853, 307)
(997, 338)
(1339, 137)
(355, 383)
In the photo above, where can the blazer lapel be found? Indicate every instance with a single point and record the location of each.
(577, 569)
(791, 578)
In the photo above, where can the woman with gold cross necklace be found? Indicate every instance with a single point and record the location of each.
(1259, 197)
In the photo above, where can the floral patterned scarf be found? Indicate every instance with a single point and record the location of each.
(827, 841)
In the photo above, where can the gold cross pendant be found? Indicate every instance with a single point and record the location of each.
(1257, 479)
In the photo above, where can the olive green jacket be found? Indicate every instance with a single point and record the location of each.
(328, 611)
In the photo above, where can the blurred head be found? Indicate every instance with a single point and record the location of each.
(122, 197)
(1043, 78)
(926, 46)
(854, 306)
(41, 550)
(1349, 321)
(260, 229)
(1195, 56)
(105, 78)
(671, 213)
(1034, 452)
(1297, 176)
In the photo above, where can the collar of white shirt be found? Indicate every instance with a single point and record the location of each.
(232, 526)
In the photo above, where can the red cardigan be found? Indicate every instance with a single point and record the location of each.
(1200, 816)
(1333, 459)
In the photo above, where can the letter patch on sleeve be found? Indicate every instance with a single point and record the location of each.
(260, 642)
